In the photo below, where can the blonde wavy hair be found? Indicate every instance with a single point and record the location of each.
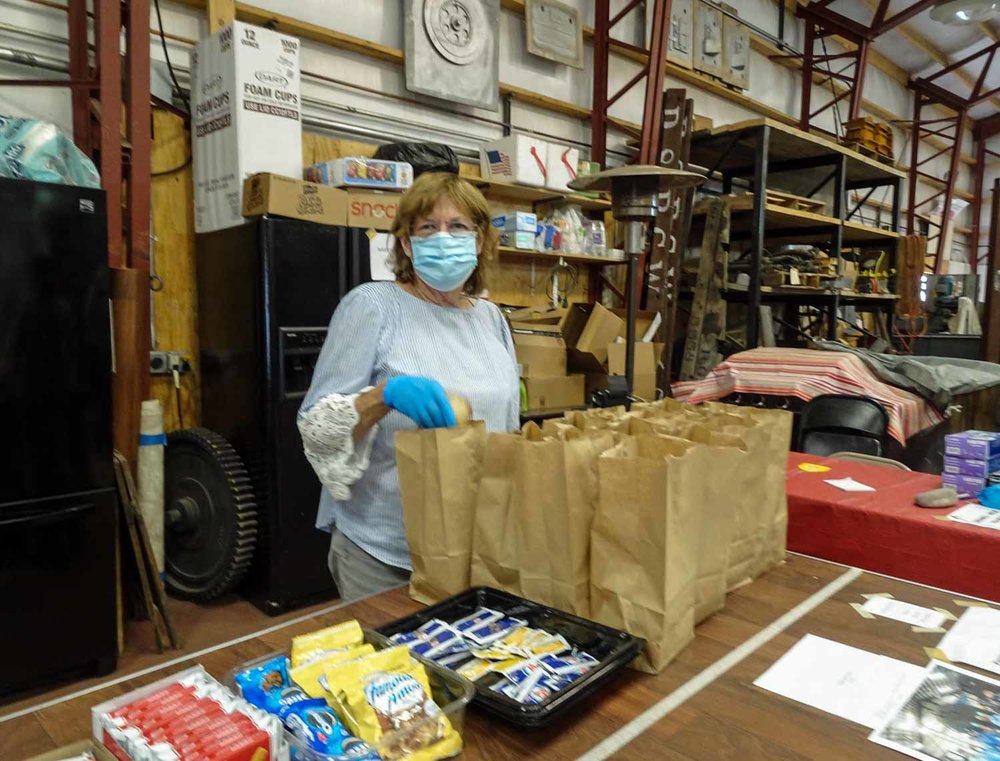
(420, 200)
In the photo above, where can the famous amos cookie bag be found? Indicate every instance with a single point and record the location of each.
(385, 699)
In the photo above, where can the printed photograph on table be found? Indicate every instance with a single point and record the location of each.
(953, 715)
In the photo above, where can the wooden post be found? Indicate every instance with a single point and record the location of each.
(220, 13)
(991, 330)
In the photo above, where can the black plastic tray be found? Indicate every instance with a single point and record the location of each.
(614, 649)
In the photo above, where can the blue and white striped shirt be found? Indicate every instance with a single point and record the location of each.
(379, 331)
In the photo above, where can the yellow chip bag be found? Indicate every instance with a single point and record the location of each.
(309, 676)
(385, 699)
(339, 637)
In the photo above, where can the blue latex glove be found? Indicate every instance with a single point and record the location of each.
(421, 399)
(990, 497)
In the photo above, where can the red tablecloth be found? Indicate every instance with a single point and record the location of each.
(884, 531)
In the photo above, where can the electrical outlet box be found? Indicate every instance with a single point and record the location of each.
(165, 362)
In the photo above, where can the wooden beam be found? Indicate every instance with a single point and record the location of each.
(919, 41)
(765, 48)
(220, 13)
(305, 30)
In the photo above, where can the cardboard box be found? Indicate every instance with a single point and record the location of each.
(966, 486)
(530, 320)
(286, 197)
(75, 749)
(972, 445)
(540, 356)
(356, 172)
(957, 466)
(246, 117)
(647, 356)
(372, 209)
(522, 240)
(560, 166)
(517, 221)
(588, 330)
(555, 393)
(515, 158)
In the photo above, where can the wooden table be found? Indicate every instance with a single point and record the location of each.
(703, 707)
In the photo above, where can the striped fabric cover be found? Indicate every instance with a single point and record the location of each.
(805, 374)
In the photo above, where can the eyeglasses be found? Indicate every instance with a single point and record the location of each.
(457, 227)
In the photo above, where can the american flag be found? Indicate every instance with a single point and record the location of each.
(499, 162)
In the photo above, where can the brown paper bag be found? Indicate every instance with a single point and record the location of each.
(775, 433)
(555, 498)
(494, 551)
(643, 559)
(722, 513)
(439, 471)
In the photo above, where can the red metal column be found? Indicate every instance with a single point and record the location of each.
(978, 175)
(107, 37)
(138, 104)
(911, 197)
(79, 69)
(859, 80)
(940, 261)
(652, 70)
(807, 75)
(140, 115)
(652, 109)
(599, 107)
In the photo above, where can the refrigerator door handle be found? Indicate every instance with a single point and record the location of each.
(49, 517)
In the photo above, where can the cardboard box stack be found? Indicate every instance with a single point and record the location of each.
(566, 354)
(541, 356)
(969, 459)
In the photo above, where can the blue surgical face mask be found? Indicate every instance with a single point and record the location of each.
(445, 261)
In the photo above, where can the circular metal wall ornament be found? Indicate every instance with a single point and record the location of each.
(456, 28)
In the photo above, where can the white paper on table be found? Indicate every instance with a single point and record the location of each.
(379, 252)
(857, 685)
(976, 515)
(849, 484)
(951, 715)
(975, 639)
(905, 612)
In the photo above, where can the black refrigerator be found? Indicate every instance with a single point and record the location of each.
(57, 499)
(266, 292)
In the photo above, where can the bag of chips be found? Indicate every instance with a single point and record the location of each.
(385, 699)
(310, 676)
(315, 644)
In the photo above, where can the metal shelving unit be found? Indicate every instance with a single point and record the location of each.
(763, 152)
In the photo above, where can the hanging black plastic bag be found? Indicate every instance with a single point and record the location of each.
(423, 157)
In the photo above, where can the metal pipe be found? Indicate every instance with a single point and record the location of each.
(34, 60)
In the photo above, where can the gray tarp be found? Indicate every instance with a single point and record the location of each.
(937, 379)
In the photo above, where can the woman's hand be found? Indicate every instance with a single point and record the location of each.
(421, 399)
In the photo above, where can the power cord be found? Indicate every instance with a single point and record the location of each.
(166, 55)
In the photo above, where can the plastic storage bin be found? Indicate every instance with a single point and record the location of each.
(451, 692)
(614, 649)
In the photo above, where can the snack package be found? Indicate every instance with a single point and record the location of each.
(475, 669)
(315, 723)
(340, 637)
(481, 616)
(386, 700)
(309, 676)
(488, 633)
(267, 686)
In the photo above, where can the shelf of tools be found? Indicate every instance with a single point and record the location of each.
(791, 177)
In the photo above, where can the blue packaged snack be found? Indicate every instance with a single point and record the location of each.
(263, 685)
(315, 723)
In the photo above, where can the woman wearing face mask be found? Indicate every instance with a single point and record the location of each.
(391, 351)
